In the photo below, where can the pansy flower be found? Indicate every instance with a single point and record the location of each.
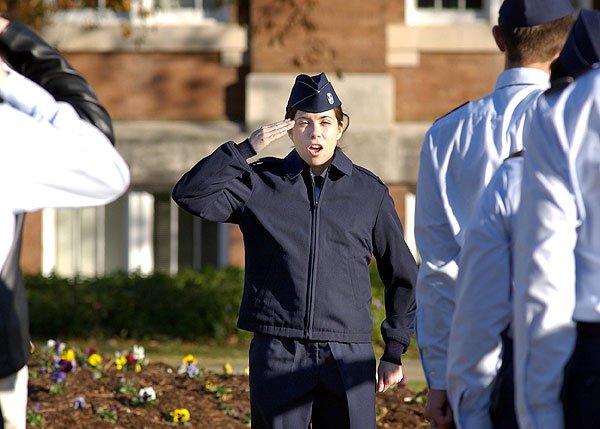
(181, 415)
(79, 403)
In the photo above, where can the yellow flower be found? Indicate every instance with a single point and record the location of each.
(138, 367)
(119, 366)
(208, 386)
(181, 415)
(189, 359)
(247, 370)
(68, 355)
(120, 362)
(95, 359)
(227, 369)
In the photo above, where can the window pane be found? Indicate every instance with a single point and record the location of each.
(114, 237)
(425, 3)
(162, 232)
(450, 4)
(185, 251)
(474, 4)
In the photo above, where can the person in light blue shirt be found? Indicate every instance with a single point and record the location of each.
(49, 157)
(480, 370)
(460, 153)
(556, 264)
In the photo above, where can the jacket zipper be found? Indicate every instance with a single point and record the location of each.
(313, 258)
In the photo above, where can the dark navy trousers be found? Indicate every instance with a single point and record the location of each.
(581, 387)
(294, 382)
(502, 407)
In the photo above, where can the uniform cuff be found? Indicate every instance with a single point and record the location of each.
(393, 352)
(246, 149)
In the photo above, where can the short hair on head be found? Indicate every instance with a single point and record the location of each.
(538, 43)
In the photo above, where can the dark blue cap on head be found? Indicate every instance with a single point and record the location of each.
(582, 48)
(313, 94)
(527, 13)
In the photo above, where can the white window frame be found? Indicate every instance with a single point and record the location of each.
(421, 16)
(142, 12)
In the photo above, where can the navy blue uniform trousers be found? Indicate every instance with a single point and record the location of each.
(293, 382)
(581, 387)
(502, 407)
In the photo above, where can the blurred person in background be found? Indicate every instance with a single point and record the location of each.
(55, 151)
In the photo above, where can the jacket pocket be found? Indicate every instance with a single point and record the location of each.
(361, 284)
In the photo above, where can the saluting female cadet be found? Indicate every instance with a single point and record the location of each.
(480, 389)
(556, 262)
(311, 222)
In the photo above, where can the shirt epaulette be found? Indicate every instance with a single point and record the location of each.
(369, 173)
(452, 111)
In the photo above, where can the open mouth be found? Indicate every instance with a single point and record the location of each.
(315, 148)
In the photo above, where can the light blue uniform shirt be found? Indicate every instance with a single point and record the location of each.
(483, 307)
(460, 153)
(49, 157)
(557, 246)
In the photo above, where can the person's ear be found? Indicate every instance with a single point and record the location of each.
(340, 130)
(289, 133)
(498, 38)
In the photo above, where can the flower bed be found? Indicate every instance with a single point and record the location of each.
(98, 390)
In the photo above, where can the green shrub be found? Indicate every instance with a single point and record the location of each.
(189, 305)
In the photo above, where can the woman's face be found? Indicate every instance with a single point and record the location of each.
(315, 137)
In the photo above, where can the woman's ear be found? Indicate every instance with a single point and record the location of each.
(340, 130)
(289, 133)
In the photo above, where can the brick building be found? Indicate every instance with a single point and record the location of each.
(182, 76)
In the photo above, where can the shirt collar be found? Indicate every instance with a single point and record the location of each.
(522, 76)
(294, 164)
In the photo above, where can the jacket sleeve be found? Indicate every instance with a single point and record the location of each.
(218, 187)
(439, 252)
(544, 280)
(61, 160)
(32, 57)
(483, 302)
(398, 272)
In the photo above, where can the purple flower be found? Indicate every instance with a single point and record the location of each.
(36, 407)
(192, 370)
(58, 376)
(79, 403)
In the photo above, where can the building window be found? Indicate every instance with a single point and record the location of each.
(141, 232)
(140, 12)
(449, 12)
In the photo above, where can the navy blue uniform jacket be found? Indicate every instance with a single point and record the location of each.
(307, 263)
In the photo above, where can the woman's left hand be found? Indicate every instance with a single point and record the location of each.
(388, 374)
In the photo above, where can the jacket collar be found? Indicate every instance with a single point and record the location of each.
(294, 164)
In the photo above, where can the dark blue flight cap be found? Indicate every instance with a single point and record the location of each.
(313, 94)
(582, 48)
(527, 13)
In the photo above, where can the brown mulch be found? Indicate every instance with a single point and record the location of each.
(226, 406)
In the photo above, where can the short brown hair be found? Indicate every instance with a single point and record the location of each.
(539, 43)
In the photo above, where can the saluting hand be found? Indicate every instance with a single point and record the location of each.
(266, 134)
